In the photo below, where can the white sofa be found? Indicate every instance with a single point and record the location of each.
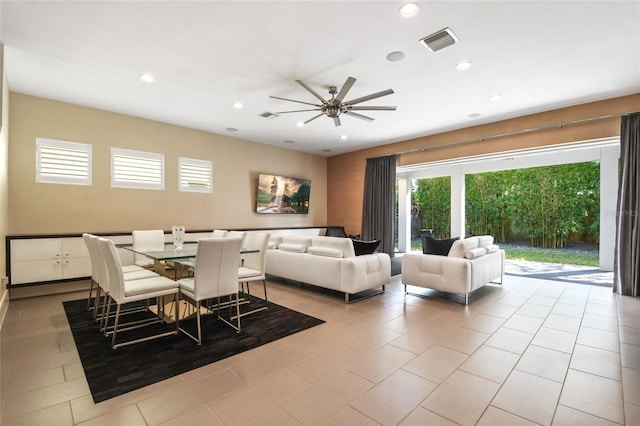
(328, 262)
(471, 263)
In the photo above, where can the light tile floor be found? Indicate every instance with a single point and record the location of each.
(528, 352)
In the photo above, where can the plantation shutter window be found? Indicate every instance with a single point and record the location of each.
(136, 169)
(195, 175)
(63, 162)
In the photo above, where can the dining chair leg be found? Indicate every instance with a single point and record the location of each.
(106, 312)
(95, 305)
(115, 327)
(106, 317)
(237, 312)
(177, 312)
(199, 324)
(266, 300)
(89, 298)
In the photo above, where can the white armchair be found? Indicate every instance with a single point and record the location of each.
(471, 263)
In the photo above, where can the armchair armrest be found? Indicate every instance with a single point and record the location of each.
(366, 271)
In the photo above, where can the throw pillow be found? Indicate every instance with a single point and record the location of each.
(475, 253)
(492, 248)
(325, 251)
(296, 248)
(485, 240)
(439, 247)
(365, 247)
(460, 247)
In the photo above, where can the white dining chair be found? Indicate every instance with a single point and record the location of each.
(147, 240)
(215, 276)
(254, 265)
(99, 275)
(219, 233)
(94, 271)
(123, 291)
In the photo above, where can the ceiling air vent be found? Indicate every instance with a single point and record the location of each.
(439, 40)
(268, 115)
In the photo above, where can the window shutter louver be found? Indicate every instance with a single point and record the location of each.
(195, 175)
(136, 169)
(63, 162)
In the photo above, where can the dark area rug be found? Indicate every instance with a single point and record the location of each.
(113, 372)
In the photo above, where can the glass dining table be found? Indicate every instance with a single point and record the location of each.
(172, 255)
(169, 252)
(169, 258)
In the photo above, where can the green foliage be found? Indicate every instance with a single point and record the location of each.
(544, 205)
(433, 196)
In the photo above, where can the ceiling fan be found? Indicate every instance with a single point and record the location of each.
(335, 106)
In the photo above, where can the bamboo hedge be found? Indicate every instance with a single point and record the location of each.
(547, 206)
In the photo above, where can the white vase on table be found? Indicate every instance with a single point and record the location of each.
(178, 236)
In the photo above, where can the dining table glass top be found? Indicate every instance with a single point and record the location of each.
(169, 252)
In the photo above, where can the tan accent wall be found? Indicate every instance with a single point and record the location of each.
(37, 208)
(345, 173)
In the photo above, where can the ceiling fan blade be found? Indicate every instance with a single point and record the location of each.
(297, 110)
(336, 121)
(360, 116)
(291, 100)
(369, 97)
(345, 89)
(313, 118)
(310, 90)
(372, 108)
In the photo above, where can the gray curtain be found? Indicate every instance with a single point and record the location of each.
(378, 209)
(627, 251)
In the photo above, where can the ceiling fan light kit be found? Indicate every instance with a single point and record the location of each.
(336, 106)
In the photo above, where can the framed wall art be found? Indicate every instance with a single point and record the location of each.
(282, 195)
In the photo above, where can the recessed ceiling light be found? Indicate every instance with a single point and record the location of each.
(237, 105)
(495, 98)
(463, 65)
(300, 124)
(409, 9)
(231, 129)
(395, 56)
(146, 77)
(343, 137)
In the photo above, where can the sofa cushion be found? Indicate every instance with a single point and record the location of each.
(460, 247)
(474, 253)
(296, 248)
(491, 248)
(274, 242)
(485, 240)
(439, 247)
(365, 247)
(297, 239)
(342, 244)
(325, 251)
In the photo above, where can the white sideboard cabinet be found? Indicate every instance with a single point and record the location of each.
(36, 260)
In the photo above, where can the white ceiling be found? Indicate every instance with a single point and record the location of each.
(206, 55)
